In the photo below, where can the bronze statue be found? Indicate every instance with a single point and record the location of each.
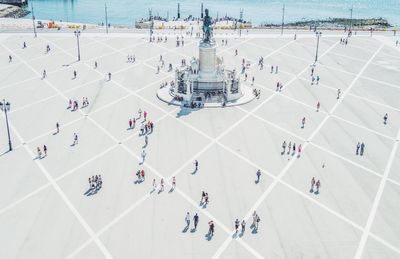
(207, 28)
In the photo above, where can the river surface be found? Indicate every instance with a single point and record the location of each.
(125, 12)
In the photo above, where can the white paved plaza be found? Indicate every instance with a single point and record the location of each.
(44, 212)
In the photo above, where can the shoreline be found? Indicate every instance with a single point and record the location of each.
(333, 24)
(343, 23)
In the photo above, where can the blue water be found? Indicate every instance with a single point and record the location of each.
(125, 12)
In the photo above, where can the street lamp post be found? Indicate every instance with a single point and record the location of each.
(105, 10)
(5, 106)
(33, 21)
(151, 29)
(283, 18)
(351, 18)
(316, 52)
(151, 24)
(78, 34)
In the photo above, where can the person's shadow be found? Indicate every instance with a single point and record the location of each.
(185, 229)
(91, 191)
(138, 181)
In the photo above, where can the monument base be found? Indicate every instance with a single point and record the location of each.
(199, 99)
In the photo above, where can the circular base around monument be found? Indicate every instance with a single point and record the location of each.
(164, 95)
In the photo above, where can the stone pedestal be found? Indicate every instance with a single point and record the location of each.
(206, 83)
(207, 60)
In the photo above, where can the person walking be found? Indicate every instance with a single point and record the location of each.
(312, 184)
(338, 94)
(206, 198)
(173, 183)
(257, 222)
(303, 122)
(99, 183)
(196, 165)
(187, 219)
(142, 174)
(143, 155)
(299, 150)
(211, 228)
(162, 185)
(57, 128)
(45, 150)
(142, 129)
(362, 149)
(284, 147)
(243, 225)
(195, 221)
(385, 119)
(318, 105)
(254, 219)
(75, 139)
(358, 148)
(318, 185)
(39, 152)
(203, 196)
(236, 226)
(130, 123)
(258, 175)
